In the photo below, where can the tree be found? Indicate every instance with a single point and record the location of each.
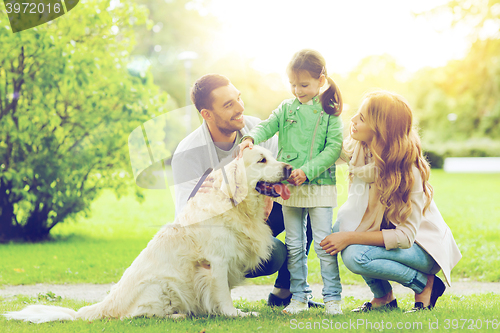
(372, 72)
(483, 16)
(178, 26)
(460, 100)
(67, 106)
(187, 25)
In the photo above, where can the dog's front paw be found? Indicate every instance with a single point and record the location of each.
(246, 314)
(177, 316)
(230, 312)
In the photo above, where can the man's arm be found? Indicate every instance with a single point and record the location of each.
(182, 192)
(187, 168)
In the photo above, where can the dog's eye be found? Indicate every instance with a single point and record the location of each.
(262, 160)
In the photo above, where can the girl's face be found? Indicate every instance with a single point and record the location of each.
(360, 130)
(304, 86)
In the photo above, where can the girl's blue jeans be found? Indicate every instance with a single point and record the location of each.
(378, 266)
(295, 227)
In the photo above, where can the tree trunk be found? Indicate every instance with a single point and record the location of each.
(36, 229)
(9, 229)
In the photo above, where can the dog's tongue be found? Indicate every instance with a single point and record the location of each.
(282, 190)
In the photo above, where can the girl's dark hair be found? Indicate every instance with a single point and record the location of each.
(313, 62)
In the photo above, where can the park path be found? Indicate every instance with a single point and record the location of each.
(97, 292)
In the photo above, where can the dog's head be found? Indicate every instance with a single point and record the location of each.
(258, 170)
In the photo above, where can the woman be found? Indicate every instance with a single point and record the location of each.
(390, 228)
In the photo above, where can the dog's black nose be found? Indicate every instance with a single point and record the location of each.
(287, 171)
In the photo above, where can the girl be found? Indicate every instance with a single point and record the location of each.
(390, 229)
(310, 139)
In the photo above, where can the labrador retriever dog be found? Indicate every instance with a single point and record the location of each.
(190, 266)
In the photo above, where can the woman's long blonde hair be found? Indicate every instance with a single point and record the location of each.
(395, 148)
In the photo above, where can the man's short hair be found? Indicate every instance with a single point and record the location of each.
(201, 93)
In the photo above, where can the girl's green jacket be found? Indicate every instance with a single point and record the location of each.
(309, 138)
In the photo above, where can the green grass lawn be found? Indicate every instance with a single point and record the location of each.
(477, 313)
(470, 206)
(99, 248)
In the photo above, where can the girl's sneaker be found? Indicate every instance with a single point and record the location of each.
(295, 307)
(333, 308)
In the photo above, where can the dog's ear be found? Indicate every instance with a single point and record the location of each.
(234, 183)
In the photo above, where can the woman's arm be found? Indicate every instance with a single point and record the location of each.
(337, 241)
(401, 237)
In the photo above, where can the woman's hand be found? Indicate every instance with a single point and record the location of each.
(297, 177)
(247, 143)
(336, 242)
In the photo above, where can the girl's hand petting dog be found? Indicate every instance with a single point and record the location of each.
(297, 177)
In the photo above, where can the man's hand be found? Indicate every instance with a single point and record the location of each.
(336, 242)
(247, 143)
(268, 208)
(297, 177)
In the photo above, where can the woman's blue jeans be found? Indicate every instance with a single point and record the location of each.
(378, 266)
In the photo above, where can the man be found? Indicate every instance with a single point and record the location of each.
(211, 146)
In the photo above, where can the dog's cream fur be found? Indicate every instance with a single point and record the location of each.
(189, 268)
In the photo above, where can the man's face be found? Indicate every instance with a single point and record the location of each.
(227, 109)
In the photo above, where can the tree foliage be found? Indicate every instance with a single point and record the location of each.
(187, 25)
(483, 16)
(67, 106)
(178, 26)
(372, 72)
(460, 100)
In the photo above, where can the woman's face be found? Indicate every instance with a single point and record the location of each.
(360, 130)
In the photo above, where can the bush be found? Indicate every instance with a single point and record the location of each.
(67, 106)
(436, 153)
(435, 160)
